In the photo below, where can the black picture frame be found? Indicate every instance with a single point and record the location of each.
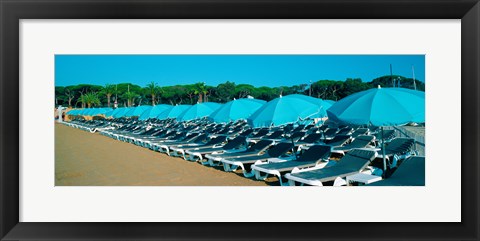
(12, 11)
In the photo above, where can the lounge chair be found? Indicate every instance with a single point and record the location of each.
(295, 136)
(360, 131)
(245, 162)
(388, 135)
(260, 133)
(147, 132)
(238, 144)
(158, 136)
(410, 173)
(272, 136)
(355, 161)
(246, 132)
(255, 149)
(177, 137)
(308, 140)
(373, 129)
(345, 131)
(398, 149)
(339, 140)
(214, 142)
(363, 141)
(329, 133)
(196, 141)
(323, 127)
(310, 158)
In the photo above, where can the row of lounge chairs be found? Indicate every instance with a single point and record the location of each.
(296, 155)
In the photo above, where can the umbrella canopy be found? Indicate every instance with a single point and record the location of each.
(120, 112)
(236, 110)
(137, 111)
(83, 111)
(73, 112)
(198, 111)
(287, 109)
(102, 111)
(380, 107)
(109, 113)
(173, 112)
(154, 111)
(331, 102)
(90, 112)
(114, 112)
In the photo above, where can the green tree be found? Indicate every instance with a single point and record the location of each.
(266, 93)
(200, 90)
(351, 86)
(70, 95)
(326, 89)
(130, 96)
(81, 100)
(159, 91)
(190, 91)
(152, 90)
(225, 92)
(91, 99)
(108, 90)
(243, 90)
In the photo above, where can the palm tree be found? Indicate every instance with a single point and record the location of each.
(108, 90)
(129, 96)
(91, 99)
(159, 93)
(81, 99)
(200, 89)
(152, 90)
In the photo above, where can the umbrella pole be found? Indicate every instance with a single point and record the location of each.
(383, 155)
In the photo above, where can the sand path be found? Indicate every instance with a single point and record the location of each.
(85, 159)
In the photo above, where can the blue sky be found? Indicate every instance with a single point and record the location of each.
(257, 70)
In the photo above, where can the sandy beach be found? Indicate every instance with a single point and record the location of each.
(85, 159)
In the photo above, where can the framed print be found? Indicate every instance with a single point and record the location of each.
(271, 119)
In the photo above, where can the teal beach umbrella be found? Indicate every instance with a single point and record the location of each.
(236, 110)
(109, 113)
(102, 111)
(331, 102)
(120, 112)
(73, 112)
(198, 111)
(153, 112)
(172, 112)
(137, 111)
(90, 112)
(83, 111)
(114, 112)
(380, 107)
(287, 109)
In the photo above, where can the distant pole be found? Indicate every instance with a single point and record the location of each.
(391, 76)
(310, 89)
(414, 82)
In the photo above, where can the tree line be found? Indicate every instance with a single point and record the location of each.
(127, 94)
